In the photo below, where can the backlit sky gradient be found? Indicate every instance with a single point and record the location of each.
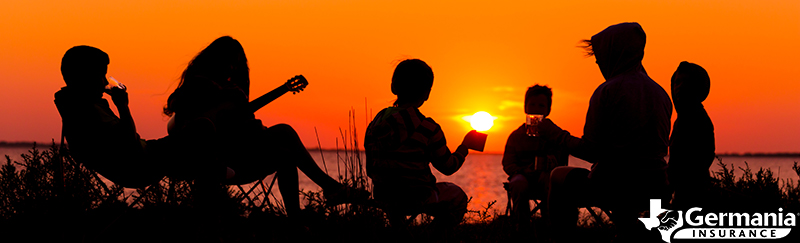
(484, 55)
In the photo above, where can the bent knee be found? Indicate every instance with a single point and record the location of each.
(452, 192)
(564, 173)
(517, 183)
(281, 127)
(282, 130)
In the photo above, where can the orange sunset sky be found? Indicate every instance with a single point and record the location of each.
(484, 55)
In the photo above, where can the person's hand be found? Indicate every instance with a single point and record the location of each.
(475, 140)
(119, 95)
(464, 147)
(548, 129)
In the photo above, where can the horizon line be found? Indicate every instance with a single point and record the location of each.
(18, 144)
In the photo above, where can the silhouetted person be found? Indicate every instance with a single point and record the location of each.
(401, 144)
(211, 104)
(97, 138)
(691, 149)
(528, 160)
(625, 138)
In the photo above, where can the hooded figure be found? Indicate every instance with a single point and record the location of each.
(691, 148)
(625, 136)
(628, 121)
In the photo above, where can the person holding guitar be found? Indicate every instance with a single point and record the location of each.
(214, 127)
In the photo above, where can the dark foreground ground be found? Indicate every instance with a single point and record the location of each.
(35, 207)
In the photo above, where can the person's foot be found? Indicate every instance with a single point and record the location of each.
(346, 194)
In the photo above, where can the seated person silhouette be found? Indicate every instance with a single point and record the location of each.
(97, 138)
(625, 137)
(691, 149)
(529, 159)
(211, 105)
(400, 145)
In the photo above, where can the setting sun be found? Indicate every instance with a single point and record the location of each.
(481, 121)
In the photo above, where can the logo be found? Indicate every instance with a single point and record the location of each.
(666, 221)
(695, 224)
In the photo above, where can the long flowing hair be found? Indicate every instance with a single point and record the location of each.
(222, 61)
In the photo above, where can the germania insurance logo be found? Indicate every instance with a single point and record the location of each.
(697, 224)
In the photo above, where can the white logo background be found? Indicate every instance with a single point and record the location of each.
(666, 221)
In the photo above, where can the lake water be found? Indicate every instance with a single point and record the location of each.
(482, 174)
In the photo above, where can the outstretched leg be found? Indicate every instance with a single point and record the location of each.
(288, 142)
(295, 153)
(280, 149)
(288, 185)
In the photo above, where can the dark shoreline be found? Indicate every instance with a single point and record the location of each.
(748, 154)
(5, 144)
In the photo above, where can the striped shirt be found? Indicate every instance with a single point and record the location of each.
(401, 143)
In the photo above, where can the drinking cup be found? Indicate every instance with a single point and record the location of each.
(532, 124)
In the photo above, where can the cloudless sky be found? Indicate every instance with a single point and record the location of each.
(484, 55)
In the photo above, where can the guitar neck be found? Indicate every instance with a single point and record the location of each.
(267, 98)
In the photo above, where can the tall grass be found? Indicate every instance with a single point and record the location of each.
(759, 190)
(36, 206)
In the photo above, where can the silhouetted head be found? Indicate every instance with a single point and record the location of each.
(412, 81)
(222, 61)
(690, 84)
(538, 100)
(84, 68)
(618, 48)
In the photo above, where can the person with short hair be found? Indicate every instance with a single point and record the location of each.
(401, 144)
(528, 160)
(98, 138)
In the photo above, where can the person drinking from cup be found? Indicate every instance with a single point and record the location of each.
(528, 159)
(99, 139)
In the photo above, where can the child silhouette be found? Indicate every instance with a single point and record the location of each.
(528, 160)
(401, 143)
(97, 137)
(691, 149)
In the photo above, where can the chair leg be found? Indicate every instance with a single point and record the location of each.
(538, 207)
(508, 196)
(508, 206)
(596, 217)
